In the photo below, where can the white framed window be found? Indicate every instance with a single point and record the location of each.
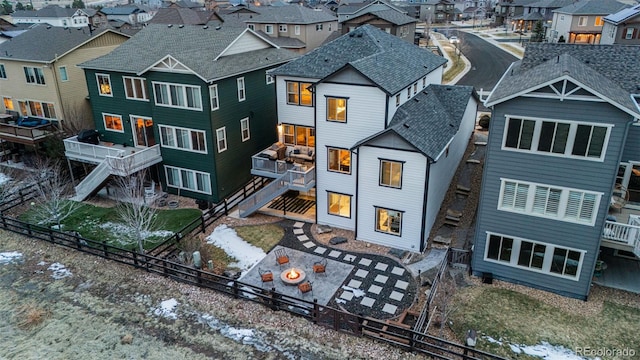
(177, 96)
(534, 256)
(296, 29)
(409, 93)
(221, 139)
(582, 21)
(629, 33)
(37, 108)
(244, 129)
(397, 100)
(599, 21)
(268, 28)
(390, 173)
(8, 103)
(337, 109)
(34, 75)
(183, 138)
(569, 139)
(298, 93)
(213, 95)
(242, 96)
(424, 82)
(282, 28)
(339, 160)
(388, 221)
(135, 88)
(104, 84)
(113, 122)
(552, 202)
(269, 79)
(318, 27)
(64, 76)
(415, 88)
(188, 179)
(339, 204)
(251, 26)
(3, 72)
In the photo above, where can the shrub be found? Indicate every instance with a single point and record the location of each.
(484, 121)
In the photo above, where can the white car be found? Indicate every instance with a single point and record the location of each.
(454, 40)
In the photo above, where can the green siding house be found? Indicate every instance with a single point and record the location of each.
(193, 101)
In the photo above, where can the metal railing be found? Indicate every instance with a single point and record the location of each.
(271, 166)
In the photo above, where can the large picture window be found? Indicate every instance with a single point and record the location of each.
(339, 160)
(188, 179)
(337, 109)
(339, 204)
(177, 96)
(298, 93)
(391, 173)
(135, 88)
(299, 135)
(113, 122)
(388, 221)
(34, 75)
(41, 109)
(183, 138)
(104, 85)
(558, 138)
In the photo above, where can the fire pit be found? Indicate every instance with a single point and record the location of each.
(293, 276)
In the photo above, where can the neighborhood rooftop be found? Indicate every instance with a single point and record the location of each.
(196, 47)
(593, 7)
(394, 17)
(623, 15)
(290, 14)
(365, 49)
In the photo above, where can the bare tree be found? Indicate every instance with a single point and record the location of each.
(11, 180)
(77, 117)
(54, 189)
(134, 209)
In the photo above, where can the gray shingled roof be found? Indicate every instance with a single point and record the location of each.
(603, 68)
(387, 60)
(592, 7)
(50, 11)
(550, 4)
(394, 17)
(51, 42)
(186, 16)
(196, 47)
(121, 10)
(431, 118)
(285, 42)
(290, 14)
(623, 15)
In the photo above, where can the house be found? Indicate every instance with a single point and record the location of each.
(186, 16)
(135, 15)
(371, 140)
(509, 10)
(392, 19)
(622, 27)
(53, 15)
(294, 27)
(46, 83)
(582, 22)
(194, 98)
(539, 11)
(437, 11)
(561, 179)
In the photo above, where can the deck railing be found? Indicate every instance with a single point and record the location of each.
(98, 153)
(27, 132)
(620, 233)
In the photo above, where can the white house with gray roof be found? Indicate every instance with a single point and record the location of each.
(582, 21)
(622, 27)
(371, 139)
(53, 15)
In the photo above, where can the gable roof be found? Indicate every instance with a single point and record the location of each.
(623, 15)
(549, 4)
(184, 15)
(367, 49)
(353, 8)
(121, 10)
(393, 16)
(602, 69)
(198, 48)
(53, 43)
(592, 7)
(50, 11)
(290, 14)
(431, 119)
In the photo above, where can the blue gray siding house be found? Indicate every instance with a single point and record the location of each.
(564, 134)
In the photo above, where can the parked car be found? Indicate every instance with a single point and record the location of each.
(454, 40)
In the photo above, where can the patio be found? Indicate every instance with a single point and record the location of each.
(621, 272)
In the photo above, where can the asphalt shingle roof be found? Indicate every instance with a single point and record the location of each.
(387, 60)
(290, 14)
(196, 47)
(394, 17)
(51, 42)
(431, 118)
(603, 68)
(623, 15)
(593, 7)
(50, 11)
(121, 10)
(180, 15)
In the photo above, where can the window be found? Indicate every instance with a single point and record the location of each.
(415, 88)
(34, 75)
(388, 221)
(251, 26)
(182, 138)
(582, 21)
(599, 21)
(339, 204)
(63, 73)
(188, 179)
(135, 88)
(221, 139)
(177, 96)
(533, 255)
(104, 85)
(8, 103)
(299, 135)
(3, 72)
(213, 94)
(268, 29)
(556, 202)
(397, 100)
(37, 108)
(409, 93)
(282, 28)
(568, 139)
(391, 173)
(244, 129)
(318, 27)
(629, 33)
(269, 79)
(339, 160)
(424, 82)
(241, 92)
(337, 109)
(113, 122)
(296, 29)
(289, 135)
(299, 93)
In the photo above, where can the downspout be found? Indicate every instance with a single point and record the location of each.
(355, 207)
(57, 88)
(424, 206)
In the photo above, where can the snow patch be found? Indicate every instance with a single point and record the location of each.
(4, 179)
(228, 240)
(59, 271)
(356, 292)
(10, 257)
(543, 350)
(167, 309)
(125, 231)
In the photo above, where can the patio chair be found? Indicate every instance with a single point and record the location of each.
(305, 287)
(266, 275)
(281, 257)
(320, 267)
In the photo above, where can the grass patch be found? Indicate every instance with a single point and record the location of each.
(516, 318)
(208, 252)
(456, 66)
(513, 49)
(266, 237)
(30, 315)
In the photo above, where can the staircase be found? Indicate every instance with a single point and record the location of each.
(96, 179)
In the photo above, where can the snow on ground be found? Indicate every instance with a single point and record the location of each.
(543, 350)
(59, 271)
(4, 178)
(356, 292)
(167, 309)
(228, 240)
(9, 257)
(124, 231)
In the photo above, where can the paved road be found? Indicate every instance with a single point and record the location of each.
(488, 62)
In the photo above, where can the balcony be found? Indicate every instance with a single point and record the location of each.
(28, 135)
(93, 154)
(272, 164)
(622, 231)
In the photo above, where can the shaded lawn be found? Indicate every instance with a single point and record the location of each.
(265, 236)
(516, 318)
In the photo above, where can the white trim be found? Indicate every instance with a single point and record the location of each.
(269, 79)
(110, 94)
(4, 70)
(66, 73)
(190, 147)
(27, 101)
(266, 27)
(134, 128)
(143, 86)
(173, 63)
(296, 29)
(181, 185)
(104, 121)
(223, 52)
(214, 89)
(184, 93)
(242, 130)
(223, 130)
(242, 89)
(44, 79)
(548, 256)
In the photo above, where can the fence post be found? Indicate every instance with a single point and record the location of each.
(21, 196)
(235, 289)
(316, 312)
(199, 276)
(104, 249)
(274, 299)
(164, 267)
(4, 221)
(51, 235)
(204, 228)
(226, 210)
(135, 259)
(29, 229)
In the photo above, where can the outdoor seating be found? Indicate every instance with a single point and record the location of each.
(305, 287)
(281, 257)
(266, 275)
(320, 267)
